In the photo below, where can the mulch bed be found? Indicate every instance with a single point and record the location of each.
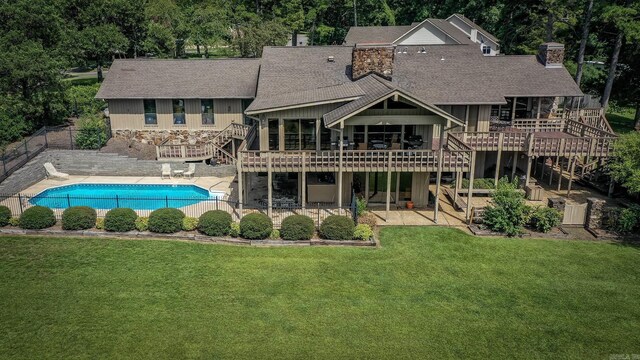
(183, 236)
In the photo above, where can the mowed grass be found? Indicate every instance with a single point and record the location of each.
(427, 293)
(621, 121)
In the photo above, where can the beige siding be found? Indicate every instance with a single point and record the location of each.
(419, 188)
(311, 112)
(129, 114)
(484, 113)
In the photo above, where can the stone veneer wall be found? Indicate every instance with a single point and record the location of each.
(551, 54)
(155, 137)
(378, 60)
(595, 213)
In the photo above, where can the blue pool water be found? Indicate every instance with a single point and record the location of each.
(135, 196)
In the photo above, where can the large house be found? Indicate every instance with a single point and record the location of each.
(386, 114)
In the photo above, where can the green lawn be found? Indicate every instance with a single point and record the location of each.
(427, 293)
(621, 121)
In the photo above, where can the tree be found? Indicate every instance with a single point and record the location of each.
(625, 165)
(251, 38)
(624, 19)
(207, 27)
(100, 43)
(586, 22)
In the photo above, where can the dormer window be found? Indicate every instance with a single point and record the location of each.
(486, 49)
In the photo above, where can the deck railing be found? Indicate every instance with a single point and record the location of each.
(354, 160)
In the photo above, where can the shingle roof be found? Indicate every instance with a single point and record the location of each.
(477, 27)
(373, 88)
(375, 34)
(146, 78)
(444, 75)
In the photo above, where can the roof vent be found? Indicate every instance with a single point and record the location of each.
(423, 50)
(331, 59)
(404, 51)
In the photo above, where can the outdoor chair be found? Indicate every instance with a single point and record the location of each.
(190, 171)
(166, 171)
(53, 173)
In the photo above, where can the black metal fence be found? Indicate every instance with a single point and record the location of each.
(53, 137)
(191, 206)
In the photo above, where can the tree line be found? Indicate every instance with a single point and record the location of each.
(41, 39)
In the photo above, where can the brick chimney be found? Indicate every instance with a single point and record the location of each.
(551, 55)
(366, 59)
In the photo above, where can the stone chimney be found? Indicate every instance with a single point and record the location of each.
(551, 55)
(366, 59)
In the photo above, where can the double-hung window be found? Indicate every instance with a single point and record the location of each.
(486, 49)
(206, 108)
(150, 114)
(178, 112)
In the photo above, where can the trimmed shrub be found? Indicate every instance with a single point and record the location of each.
(5, 216)
(100, 223)
(79, 218)
(120, 220)
(336, 227)
(37, 217)
(189, 223)
(275, 234)
(255, 226)
(215, 223)
(361, 206)
(14, 221)
(509, 212)
(142, 223)
(363, 232)
(166, 220)
(235, 230)
(297, 227)
(628, 220)
(543, 219)
(369, 219)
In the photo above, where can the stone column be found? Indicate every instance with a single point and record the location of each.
(595, 213)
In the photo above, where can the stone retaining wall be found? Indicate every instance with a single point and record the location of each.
(156, 136)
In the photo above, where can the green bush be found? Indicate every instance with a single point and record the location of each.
(361, 206)
(297, 227)
(235, 230)
(5, 216)
(166, 220)
(509, 212)
(363, 232)
(100, 223)
(37, 217)
(79, 218)
(255, 226)
(120, 220)
(189, 223)
(628, 219)
(215, 223)
(142, 223)
(14, 221)
(275, 234)
(92, 132)
(483, 183)
(543, 219)
(336, 227)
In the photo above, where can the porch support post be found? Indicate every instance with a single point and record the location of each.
(397, 187)
(513, 109)
(366, 186)
(304, 180)
(560, 161)
(341, 145)
(514, 165)
(269, 186)
(240, 189)
(551, 170)
(573, 167)
(386, 216)
(457, 187)
(438, 180)
(499, 159)
(539, 105)
(529, 158)
(428, 186)
(466, 119)
(470, 191)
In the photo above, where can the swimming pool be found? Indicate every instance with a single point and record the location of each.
(135, 196)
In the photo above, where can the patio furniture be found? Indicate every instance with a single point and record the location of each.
(190, 171)
(178, 173)
(53, 173)
(166, 171)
